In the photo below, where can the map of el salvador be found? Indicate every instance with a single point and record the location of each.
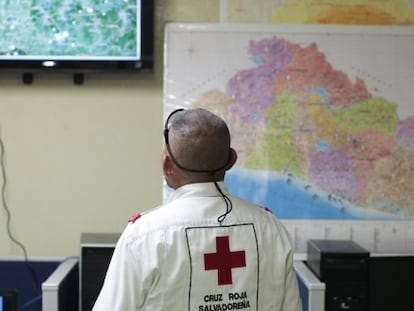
(292, 112)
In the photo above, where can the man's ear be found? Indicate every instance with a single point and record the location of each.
(171, 174)
(233, 159)
(167, 166)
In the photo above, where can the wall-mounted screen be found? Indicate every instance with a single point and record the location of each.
(76, 35)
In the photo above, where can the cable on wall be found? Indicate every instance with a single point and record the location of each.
(35, 282)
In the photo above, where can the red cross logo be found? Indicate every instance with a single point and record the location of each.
(224, 260)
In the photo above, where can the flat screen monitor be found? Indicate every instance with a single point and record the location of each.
(76, 35)
(8, 299)
(60, 292)
(391, 283)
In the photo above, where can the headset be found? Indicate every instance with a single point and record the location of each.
(212, 172)
(167, 144)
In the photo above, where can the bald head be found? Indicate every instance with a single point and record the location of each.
(200, 141)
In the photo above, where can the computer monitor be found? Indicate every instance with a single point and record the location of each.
(60, 292)
(96, 252)
(391, 283)
(8, 299)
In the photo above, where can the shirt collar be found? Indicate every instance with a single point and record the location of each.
(206, 189)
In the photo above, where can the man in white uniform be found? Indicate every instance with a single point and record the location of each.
(203, 250)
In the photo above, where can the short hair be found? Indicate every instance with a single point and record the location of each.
(199, 140)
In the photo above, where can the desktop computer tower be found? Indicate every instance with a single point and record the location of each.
(96, 251)
(343, 266)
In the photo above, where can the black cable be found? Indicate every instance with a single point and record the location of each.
(229, 204)
(35, 282)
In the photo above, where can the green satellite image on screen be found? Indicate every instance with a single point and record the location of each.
(93, 28)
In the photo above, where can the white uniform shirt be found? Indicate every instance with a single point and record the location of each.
(178, 257)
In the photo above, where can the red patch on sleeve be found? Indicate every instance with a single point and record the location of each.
(134, 217)
(268, 210)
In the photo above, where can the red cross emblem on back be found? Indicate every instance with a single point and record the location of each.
(224, 260)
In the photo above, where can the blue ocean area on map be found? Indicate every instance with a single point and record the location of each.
(288, 197)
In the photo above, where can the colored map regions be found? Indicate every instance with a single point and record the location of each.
(293, 113)
(359, 12)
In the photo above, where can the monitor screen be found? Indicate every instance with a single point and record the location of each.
(391, 283)
(76, 34)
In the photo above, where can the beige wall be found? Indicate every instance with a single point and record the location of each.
(84, 158)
